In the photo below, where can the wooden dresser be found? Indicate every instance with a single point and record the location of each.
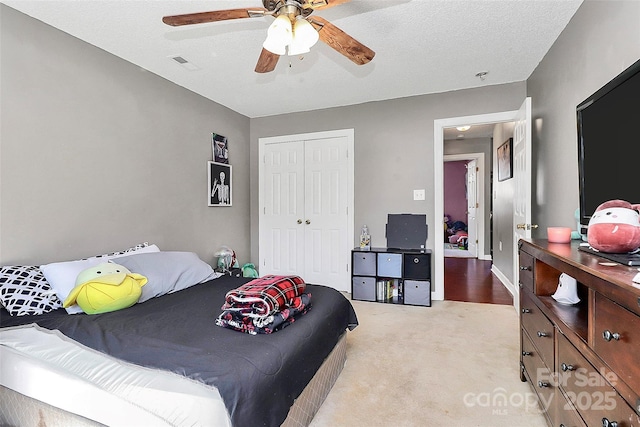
(582, 360)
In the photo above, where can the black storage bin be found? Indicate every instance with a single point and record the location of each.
(417, 266)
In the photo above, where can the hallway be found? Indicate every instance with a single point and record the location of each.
(471, 280)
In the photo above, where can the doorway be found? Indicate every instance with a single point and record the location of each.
(467, 213)
(439, 126)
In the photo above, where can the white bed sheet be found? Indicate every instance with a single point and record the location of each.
(48, 366)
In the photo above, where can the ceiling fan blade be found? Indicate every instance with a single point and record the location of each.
(323, 4)
(341, 41)
(214, 16)
(267, 61)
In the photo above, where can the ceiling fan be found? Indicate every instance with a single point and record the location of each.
(293, 29)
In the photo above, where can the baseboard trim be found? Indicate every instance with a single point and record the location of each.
(503, 279)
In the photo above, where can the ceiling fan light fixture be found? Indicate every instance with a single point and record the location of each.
(304, 37)
(279, 35)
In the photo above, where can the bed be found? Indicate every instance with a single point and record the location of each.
(165, 362)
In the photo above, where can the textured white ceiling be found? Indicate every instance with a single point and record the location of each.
(422, 46)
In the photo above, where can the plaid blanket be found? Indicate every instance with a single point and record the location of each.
(234, 320)
(264, 305)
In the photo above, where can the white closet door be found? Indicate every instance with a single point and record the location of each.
(326, 231)
(282, 223)
(306, 192)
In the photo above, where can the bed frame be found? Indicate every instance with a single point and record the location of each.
(20, 410)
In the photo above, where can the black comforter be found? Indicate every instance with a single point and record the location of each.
(258, 376)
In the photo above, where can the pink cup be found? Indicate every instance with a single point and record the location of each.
(559, 234)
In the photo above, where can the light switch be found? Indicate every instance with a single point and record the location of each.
(418, 194)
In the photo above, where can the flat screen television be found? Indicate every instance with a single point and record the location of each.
(608, 143)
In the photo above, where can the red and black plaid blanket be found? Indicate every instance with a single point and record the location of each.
(256, 305)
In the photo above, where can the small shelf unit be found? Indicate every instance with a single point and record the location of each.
(396, 276)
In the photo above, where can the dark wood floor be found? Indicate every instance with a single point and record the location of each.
(471, 280)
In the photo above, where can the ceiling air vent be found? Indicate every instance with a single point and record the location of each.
(184, 63)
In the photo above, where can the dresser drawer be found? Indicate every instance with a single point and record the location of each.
(390, 265)
(539, 375)
(565, 414)
(617, 340)
(526, 270)
(364, 263)
(417, 266)
(539, 328)
(588, 390)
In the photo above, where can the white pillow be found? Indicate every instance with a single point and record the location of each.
(62, 275)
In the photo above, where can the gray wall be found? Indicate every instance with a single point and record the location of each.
(502, 208)
(602, 39)
(98, 154)
(393, 148)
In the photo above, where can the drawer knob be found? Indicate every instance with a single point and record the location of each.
(525, 268)
(607, 423)
(526, 310)
(608, 335)
(542, 334)
(526, 353)
(566, 367)
(544, 384)
(416, 260)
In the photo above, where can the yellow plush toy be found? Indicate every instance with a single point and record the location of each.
(106, 287)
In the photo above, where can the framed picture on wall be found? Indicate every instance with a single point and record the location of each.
(505, 160)
(220, 184)
(220, 148)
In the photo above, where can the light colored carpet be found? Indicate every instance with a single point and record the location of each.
(452, 364)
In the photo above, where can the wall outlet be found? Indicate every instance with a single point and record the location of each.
(418, 194)
(500, 246)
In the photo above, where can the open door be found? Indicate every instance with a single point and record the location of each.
(473, 204)
(522, 184)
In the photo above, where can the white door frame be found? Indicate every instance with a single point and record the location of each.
(479, 158)
(438, 193)
(345, 252)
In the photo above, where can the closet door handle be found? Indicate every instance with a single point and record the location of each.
(307, 222)
(299, 221)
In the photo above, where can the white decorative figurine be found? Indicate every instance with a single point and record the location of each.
(567, 291)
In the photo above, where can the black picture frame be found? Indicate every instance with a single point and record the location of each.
(220, 184)
(220, 148)
(505, 160)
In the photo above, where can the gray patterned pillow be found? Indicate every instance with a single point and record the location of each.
(25, 291)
